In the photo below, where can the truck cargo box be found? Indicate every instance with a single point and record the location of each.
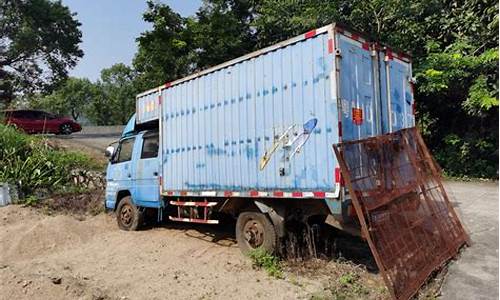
(264, 124)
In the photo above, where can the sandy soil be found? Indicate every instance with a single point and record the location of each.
(61, 257)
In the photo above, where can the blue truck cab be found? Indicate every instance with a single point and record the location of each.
(133, 169)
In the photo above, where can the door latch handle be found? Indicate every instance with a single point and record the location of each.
(129, 175)
(155, 173)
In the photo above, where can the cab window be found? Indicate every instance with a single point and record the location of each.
(150, 146)
(124, 152)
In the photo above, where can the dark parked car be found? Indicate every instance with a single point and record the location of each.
(37, 121)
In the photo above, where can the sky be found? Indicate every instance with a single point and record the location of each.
(109, 29)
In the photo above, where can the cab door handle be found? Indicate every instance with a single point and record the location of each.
(155, 173)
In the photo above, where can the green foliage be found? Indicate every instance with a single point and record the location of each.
(349, 287)
(38, 42)
(279, 20)
(31, 163)
(270, 263)
(72, 98)
(114, 102)
(164, 51)
(481, 97)
(109, 101)
(30, 200)
(220, 32)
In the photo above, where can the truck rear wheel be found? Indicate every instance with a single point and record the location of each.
(254, 230)
(128, 215)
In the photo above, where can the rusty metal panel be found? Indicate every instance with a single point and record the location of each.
(402, 206)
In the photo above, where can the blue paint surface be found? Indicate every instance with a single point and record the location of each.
(243, 108)
(251, 104)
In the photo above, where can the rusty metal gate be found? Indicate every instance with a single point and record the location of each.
(403, 209)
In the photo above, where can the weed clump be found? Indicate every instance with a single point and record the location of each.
(267, 261)
(31, 163)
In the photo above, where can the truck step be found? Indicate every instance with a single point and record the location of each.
(192, 203)
(189, 220)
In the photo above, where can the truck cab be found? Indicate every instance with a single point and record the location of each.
(133, 174)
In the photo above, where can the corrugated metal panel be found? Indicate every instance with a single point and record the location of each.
(217, 127)
(357, 88)
(396, 91)
(147, 107)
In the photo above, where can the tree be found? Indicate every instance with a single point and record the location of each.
(176, 46)
(221, 31)
(164, 52)
(278, 20)
(38, 43)
(114, 102)
(72, 98)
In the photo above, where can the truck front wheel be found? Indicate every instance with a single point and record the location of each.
(128, 215)
(254, 230)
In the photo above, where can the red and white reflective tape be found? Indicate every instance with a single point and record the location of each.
(330, 46)
(193, 203)
(202, 221)
(256, 194)
(390, 55)
(310, 34)
(354, 36)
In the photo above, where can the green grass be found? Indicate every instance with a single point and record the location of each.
(31, 163)
(265, 260)
(349, 287)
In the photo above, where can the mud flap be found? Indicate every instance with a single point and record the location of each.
(277, 218)
(404, 211)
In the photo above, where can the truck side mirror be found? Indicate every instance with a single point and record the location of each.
(110, 150)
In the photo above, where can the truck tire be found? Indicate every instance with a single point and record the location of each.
(254, 230)
(128, 215)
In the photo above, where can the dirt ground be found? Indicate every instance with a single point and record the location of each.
(46, 254)
(67, 257)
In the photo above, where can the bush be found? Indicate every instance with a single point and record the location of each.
(31, 163)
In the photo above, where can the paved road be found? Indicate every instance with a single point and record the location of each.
(475, 274)
(95, 141)
(92, 139)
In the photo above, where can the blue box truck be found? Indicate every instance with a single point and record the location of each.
(252, 138)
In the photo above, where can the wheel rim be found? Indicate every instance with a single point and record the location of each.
(66, 128)
(253, 231)
(126, 215)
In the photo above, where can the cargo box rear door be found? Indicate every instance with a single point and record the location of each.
(396, 91)
(356, 87)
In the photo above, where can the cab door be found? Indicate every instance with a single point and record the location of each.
(146, 175)
(119, 172)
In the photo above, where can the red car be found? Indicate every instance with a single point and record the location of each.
(37, 121)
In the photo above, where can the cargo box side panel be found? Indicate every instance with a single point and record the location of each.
(219, 126)
(147, 108)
